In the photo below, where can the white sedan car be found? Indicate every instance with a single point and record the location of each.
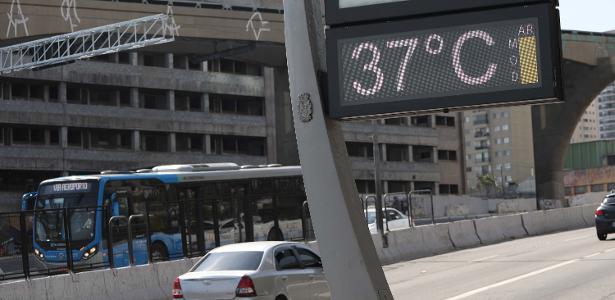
(258, 271)
(392, 216)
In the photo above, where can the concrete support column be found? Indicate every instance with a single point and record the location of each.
(432, 121)
(117, 98)
(410, 154)
(205, 102)
(64, 137)
(436, 188)
(383, 152)
(207, 143)
(385, 187)
(115, 58)
(46, 93)
(171, 99)
(205, 66)
(168, 60)
(172, 142)
(136, 140)
(134, 97)
(133, 57)
(412, 185)
(435, 155)
(47, 137)
(62, 92)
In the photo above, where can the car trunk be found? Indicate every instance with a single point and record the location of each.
(210, 285)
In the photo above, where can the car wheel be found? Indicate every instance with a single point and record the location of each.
(159, 252)
(601, 236)
(281, 297)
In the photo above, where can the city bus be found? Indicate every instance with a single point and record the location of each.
(167, 212)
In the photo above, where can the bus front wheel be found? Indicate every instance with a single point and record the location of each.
(159, 252)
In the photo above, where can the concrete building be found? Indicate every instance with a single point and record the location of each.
(498, 145)
(183, 103)
(587, 128)
(606, 113)
(590, 168)
(418, 153)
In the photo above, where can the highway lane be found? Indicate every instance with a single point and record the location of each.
(567, 265)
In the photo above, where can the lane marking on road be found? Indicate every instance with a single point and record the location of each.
(609, 250)
(592, 255)
(485, 258)
(574, 239)
(511, 280)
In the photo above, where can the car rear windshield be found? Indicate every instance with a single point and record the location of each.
(231, 261)
(609, 200)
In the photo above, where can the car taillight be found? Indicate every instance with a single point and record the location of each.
(245, 288)
(177, 290)
(599, 212)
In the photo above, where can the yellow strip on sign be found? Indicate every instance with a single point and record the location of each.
(529, 63)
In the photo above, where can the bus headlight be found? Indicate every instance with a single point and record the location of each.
(89, 253)
(39, 254)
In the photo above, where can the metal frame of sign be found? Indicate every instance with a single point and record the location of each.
(406, 8)
(548, 43)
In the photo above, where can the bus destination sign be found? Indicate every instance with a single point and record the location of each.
(499, 58)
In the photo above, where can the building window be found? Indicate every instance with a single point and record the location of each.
(153, 99)
(447, 155)
(185, 101)
(597, 188)
(421, 121)
(238, 145)
(241, 105)
(364, 150)
(398, 186)
(449, 189)
(189, 142)
(445, 121)
(610, 186)
(365, 186)
(154, 141)
(397, 152)
(580, 190)
(507, 166)
(568, 191)
(234, 67)
(396, 121)
(422, 153)
(610, 160)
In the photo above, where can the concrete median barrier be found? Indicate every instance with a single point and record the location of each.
(463, 234)
(497, 229)
(436, 238)
(589, 214)
(406, 244)
(534, 222)
(554, 220)
(574, 217)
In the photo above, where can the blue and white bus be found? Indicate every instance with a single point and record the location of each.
(191, 209)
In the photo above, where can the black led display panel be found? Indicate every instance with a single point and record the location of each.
(352, 11)
(457, 61)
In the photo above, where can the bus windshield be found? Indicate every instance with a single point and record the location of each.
(79, 198)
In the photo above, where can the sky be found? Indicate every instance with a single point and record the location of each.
(588, 15)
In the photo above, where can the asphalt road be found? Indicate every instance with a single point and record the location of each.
(567, 265)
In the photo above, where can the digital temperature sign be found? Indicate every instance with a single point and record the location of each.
(456, 61)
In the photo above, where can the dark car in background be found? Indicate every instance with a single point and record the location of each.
(605, 217)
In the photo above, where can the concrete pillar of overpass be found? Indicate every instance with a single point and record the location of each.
(554, 124)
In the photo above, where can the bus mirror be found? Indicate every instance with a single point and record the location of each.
(28, 200)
